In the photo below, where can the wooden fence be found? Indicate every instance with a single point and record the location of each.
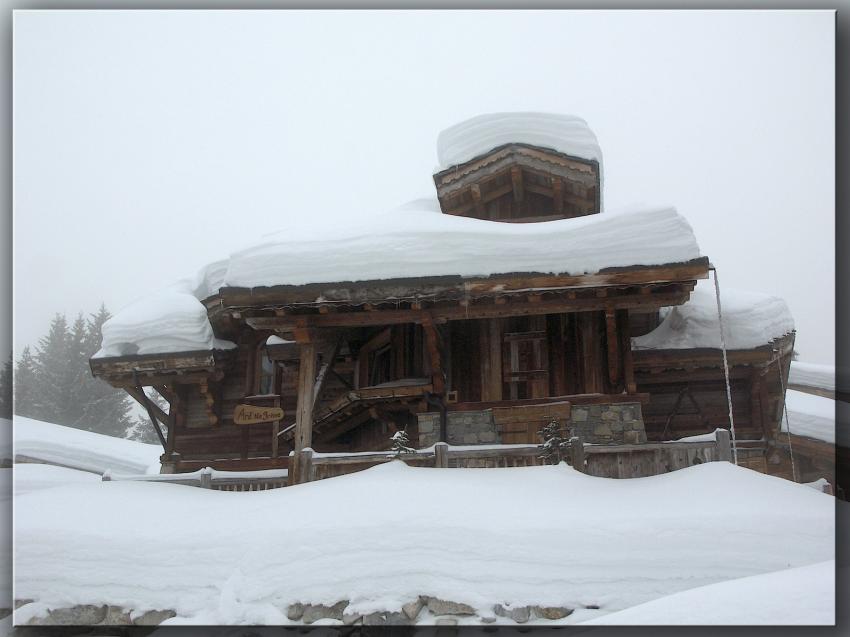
(607, 461)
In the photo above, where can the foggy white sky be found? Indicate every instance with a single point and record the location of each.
(149, 143)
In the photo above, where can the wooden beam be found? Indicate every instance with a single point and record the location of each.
(474, 311)
(517, 184)
(475, 191)
(557, 195)
(153, 411)
(612, 338)
(327, 366)
(491, 359)
(306, 383)
(626, 348)
(396, 288)
(432, 339)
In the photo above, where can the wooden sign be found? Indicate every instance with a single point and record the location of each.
(251, 415)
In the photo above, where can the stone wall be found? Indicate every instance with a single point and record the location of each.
(462, 428)
(620, 423)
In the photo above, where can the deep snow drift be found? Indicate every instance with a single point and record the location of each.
(83, 450)
(750, 319)
(796, 596)
(378, 538)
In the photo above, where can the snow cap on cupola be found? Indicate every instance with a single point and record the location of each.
(519, 167)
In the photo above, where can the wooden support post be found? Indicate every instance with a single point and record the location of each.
(590, 353)
(306, 383)
(491, 359)
(724, 445)
(626, 343)
(304, 466)
(475, 191)
(613, 351)
(206, 478)
(441, 455)
(558, 195)
(517, 183)
(432, 338)
(577, 453)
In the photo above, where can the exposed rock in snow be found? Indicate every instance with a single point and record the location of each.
(749, 319)
(567, 134)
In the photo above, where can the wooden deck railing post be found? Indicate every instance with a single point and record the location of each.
(577, 453)
(724, 445)
(441, 455)
(206, 478)
(304, 466)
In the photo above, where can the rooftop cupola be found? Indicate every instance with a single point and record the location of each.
(519, 167)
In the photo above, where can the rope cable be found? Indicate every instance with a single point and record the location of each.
(725, 365)
(787, 422)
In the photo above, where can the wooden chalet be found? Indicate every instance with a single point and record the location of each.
(465, 360)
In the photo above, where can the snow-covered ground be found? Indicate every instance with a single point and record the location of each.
(83, 450)
(810, 416)
(776, 598)
(379, 538)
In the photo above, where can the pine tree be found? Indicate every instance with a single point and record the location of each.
(6, 389)
(54, 375)
(553, 447)
(26, 399)
(105, 409)
(401, 443)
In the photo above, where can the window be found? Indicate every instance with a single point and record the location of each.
(525, 360)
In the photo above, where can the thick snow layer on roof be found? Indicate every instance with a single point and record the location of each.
(83, 450)
(414, 240)
(810, 416)
(749, 320)
(812, 375)
(417, 242)
(567, 134)
(388, 551)
(795, 596)
(170, 320)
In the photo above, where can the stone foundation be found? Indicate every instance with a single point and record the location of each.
(615, 423)
(620, 423)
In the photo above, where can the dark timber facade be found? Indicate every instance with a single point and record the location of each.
(464, 360)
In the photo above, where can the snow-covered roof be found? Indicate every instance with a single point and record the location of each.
(83, 450)
(418, 241)
(812, 375)
(749, 319)
(810, 416)
(415, 240)
(567, 134)
(169, 320)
